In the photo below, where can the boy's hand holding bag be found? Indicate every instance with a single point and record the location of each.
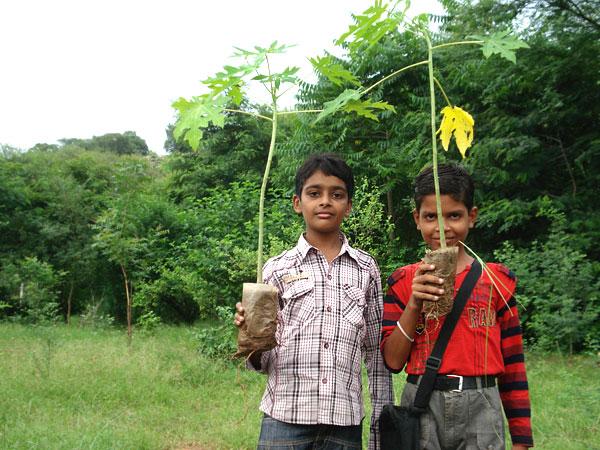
(399, 426)
(257, 332)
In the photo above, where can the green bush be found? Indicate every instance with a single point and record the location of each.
(369, 228)
(218, 341)
(93, 316)
(558, 290)
(148, 321)
(217, 254)
(29, 290)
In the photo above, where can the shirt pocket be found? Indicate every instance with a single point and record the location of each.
(353, 305)
(298, 302)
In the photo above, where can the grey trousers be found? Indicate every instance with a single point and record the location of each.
(467, 420)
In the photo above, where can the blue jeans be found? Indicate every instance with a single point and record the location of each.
(276, 435)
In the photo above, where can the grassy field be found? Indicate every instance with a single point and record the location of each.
(73, 388)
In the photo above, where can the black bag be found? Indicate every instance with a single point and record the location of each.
(399, 426)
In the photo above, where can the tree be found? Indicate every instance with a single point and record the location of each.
(121, 234)
(127, 143)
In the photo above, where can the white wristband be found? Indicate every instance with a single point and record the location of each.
(404, 332)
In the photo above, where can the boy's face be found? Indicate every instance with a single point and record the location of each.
(323, 203)
(457, 221)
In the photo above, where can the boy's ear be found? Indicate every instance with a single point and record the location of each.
(415, 215)
(296, 204)
(473, 216)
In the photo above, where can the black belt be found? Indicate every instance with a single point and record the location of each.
(456, 382)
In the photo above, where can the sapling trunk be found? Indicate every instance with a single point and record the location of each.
(259, 300)
(444, 259)
(69, 300)
(436, 182)
(263, 190)
(128, 295)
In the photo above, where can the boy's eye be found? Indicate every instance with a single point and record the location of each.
(338, 195)
(430, 216)
(313, 194)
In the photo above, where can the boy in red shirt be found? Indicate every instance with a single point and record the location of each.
(486, 345)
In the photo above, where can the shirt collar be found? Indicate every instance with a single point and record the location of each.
(304, 247)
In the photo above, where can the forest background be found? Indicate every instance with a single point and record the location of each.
(88, 222)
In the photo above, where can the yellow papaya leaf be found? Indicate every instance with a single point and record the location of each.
(456, 121)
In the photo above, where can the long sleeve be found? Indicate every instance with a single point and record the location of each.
(513, 386)
(380, 379)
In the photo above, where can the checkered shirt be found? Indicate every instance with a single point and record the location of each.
(329, 320)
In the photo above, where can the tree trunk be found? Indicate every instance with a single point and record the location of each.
(69, 300)
(390, 211)
(127, 294)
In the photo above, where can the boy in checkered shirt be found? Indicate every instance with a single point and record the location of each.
(330, 310)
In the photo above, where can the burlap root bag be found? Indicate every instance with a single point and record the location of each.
(444, 261)
(257, 333)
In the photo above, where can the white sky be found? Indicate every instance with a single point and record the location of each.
(83, 68)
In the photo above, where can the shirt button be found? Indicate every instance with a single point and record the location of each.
(324, 380)
(329, 309)
(326, 345)
(329, 277)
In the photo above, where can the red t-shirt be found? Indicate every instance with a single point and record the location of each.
(475, 346)
(487, 339)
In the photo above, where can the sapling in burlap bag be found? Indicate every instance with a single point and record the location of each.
(257, 332)
(258, 299)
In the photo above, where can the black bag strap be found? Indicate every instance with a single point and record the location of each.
(434, 361)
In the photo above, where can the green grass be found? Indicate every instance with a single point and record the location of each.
(73, 388)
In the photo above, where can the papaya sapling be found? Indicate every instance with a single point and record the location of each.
(227, 88)
(370, 27)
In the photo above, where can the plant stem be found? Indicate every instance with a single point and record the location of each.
(263, 191)
(263, 188)
(436, 181)
(281, 113)
(393, 74)
(248, 113)
(128, 310)
(443, 92)
(449, 44)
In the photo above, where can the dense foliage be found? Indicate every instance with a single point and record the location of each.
(88, 222)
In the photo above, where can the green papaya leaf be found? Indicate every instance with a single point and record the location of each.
(374, 23)
(502, 43)
(275, 48)
(366, 108)
(193, 137)
(196, 114)
(334, 72)
(235, 94)
(337, 103)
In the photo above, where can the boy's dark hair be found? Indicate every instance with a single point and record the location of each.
(328, 163)
(454, 180)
